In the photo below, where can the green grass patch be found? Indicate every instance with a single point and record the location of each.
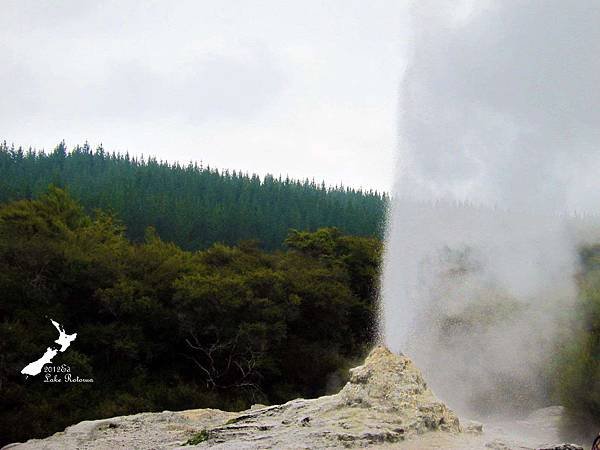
(234, 420)
(198, 438)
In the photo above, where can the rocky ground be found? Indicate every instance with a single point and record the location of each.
(386, 403)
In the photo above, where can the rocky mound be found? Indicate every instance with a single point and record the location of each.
(386, 402)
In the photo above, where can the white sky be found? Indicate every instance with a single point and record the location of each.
(305, 88)
(500, 104)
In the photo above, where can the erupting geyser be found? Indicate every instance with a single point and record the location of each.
(499, 139)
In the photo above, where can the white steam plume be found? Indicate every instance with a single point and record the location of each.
(499, 145)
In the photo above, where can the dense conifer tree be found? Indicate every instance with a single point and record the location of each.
(190, 205)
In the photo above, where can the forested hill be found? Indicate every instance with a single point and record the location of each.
(191, 205)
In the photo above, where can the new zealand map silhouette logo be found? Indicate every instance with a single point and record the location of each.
(64, 340)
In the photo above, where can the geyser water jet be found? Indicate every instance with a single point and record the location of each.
(498, 144)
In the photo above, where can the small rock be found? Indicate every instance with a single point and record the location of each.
(472, 426)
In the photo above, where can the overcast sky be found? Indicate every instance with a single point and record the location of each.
(501, 104)
(308, 89)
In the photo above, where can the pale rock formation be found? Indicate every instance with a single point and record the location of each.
(386, 403)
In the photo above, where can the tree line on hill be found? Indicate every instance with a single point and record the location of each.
(191, 205)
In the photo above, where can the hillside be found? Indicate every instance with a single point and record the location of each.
(191, 205)
(163, 328)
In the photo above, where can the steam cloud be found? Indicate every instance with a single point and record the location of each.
(499, 142)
